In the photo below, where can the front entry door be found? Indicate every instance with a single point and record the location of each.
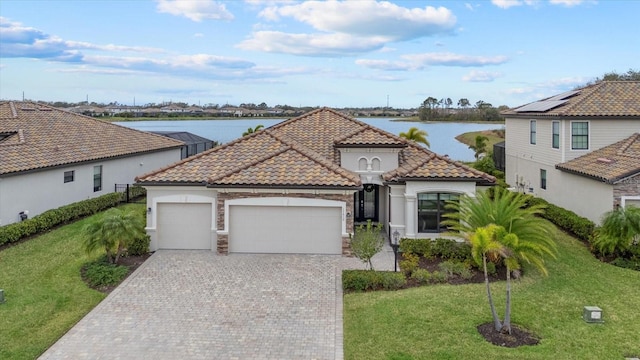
(366, 203)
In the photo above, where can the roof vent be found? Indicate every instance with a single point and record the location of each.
(605, 160)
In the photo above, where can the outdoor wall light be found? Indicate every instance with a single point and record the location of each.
(148, 210)
(592, 314)
(395, 242)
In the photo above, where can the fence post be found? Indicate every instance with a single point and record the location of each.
(127, 193)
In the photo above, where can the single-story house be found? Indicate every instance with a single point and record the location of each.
(51, 157)
(299, 186)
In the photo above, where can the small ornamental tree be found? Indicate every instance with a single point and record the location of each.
(366, 242)
(113, 231)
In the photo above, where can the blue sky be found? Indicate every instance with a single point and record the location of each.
(352, 53)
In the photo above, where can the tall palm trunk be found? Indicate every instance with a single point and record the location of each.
(496, 320)
(506, 326)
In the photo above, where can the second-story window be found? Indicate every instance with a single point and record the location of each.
(532, 132)
(579, 135)
(555, 134)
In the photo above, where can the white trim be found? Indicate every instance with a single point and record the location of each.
(179, 199)
(623, 199)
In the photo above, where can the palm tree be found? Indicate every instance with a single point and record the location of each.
(516, 250)
(483, 244)
(252, 130)
(416, 135)
(619, 231)
(112, 232)
(524, 235)
(480, 147)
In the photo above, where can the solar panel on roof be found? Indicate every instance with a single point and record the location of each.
(540, 106)
(564, 95)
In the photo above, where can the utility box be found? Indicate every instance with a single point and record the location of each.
(592, 314)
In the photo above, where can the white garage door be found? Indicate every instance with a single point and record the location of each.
(184, 226)
(285, 229)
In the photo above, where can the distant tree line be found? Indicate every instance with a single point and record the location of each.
(433, 109)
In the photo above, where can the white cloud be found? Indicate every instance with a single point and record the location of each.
(348, 27)
(481, 76)
(196, 10)
(567, 3)
(385, 65)
(310, 44)
(368, 18)
(451, 59)
(505, 4)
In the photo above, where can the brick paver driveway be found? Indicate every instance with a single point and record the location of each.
(198, 305)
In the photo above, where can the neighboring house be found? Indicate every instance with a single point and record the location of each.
(299, 186)
(50, 157)
(193, 144)
(578, 150)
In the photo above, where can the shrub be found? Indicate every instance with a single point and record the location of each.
(356, 280)
(54, 217)
(444, 248)
(439, 277)
(139, 245)
(580, 227)
(420, 247)
(422, 276)
(101, 273)
(409, 264)
(366, 242)
(462, 253)
(363, 280)
(633, 264)
(491, 268)
(393, 280)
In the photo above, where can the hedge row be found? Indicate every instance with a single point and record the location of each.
(54, 217)
(362, 280)
(580, 227)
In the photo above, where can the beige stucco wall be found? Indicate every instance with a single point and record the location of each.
(40, 191)
(404, 206)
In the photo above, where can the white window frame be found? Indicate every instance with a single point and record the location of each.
(588, 135)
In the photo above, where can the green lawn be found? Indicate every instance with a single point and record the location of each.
(44, 293)
(439, 322)
(469, 138)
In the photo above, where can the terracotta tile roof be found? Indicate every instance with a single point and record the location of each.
(604, 99)
(610, 164)
(41, 136)
(371, 136)
(301, 152)
(422, 164)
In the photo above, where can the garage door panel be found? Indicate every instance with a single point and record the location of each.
(285, 229)
(184, 226)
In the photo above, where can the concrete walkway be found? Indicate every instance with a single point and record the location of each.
(199, 305)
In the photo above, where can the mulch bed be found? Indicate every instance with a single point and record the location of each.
(518, 336)
(431, 264)
(132, 262)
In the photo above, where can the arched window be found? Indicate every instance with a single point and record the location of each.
(431, 208)
(362, 164)
(375, 164)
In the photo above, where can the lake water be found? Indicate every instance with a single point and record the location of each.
(441, 135)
